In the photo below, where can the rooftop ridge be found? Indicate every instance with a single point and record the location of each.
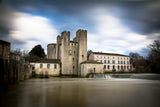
(109, 53)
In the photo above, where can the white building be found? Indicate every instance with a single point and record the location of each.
(88, 67)
(112, 62)
(50, 67)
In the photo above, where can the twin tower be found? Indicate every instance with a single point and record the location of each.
(70, 53)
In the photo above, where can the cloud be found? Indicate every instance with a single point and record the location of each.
(33, 30)
(28, 29)
(117, 27)
(112, 36)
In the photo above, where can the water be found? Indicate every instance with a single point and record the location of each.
(81, 92)
(147, 76)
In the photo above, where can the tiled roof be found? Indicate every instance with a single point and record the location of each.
(48, 61)
(100, 53)
(92, 62)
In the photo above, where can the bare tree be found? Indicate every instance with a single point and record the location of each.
(154, 56)
(138, 62)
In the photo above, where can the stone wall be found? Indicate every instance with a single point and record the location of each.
(50, 69)
(87, 68)
(4, 64)
(13, 67)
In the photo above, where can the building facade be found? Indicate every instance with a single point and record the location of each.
(89, 67)
(46, 67)
(112, 62)
(4, 64)
(13, 67)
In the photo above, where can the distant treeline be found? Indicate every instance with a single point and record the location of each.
(151, 63)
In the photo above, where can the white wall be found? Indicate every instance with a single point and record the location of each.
(51, 71)
(102, 58)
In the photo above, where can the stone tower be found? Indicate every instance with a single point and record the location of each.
(66, 58)
(81, 38)
(51, 51)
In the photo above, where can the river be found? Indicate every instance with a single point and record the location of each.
(83, 92)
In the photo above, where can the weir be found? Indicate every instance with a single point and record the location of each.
(147, 76)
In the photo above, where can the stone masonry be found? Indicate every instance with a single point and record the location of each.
(71, 53)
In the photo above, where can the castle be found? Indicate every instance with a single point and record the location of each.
(70, 53)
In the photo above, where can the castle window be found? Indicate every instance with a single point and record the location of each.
(104, 57)
(113, 62)
(82, 56)
(48, 66)
(127, 67)
(105, 61)
(121, 62)
(55, 66)
(118, 66)
(124, 62)
(94, 69)
(41, 65)
(108, 61)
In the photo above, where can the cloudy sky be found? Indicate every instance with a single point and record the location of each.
(120, 26)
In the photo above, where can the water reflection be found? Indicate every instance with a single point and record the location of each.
(80, 92)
